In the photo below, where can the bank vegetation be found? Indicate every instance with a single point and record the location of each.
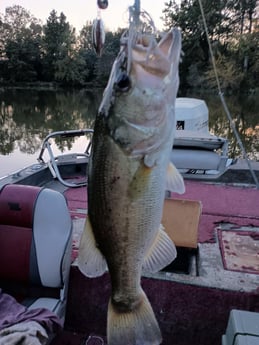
(53, 53)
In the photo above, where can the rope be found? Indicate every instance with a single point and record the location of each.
(221, 95)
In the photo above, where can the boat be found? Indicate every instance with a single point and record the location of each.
(196, 152)
(208, 295)
(215, 226)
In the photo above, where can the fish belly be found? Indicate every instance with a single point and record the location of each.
(125, 208)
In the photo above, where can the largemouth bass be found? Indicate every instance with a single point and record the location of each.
(129, 171)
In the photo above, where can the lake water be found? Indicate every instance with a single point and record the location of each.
(27, 116)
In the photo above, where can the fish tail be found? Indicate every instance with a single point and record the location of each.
(137, 326)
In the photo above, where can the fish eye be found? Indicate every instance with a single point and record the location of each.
(123, 82)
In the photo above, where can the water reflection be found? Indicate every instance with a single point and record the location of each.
(27, 116)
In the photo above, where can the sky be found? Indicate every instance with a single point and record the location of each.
(78, 12)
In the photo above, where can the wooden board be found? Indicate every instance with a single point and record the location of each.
(181, 221)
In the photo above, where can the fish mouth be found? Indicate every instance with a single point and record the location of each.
(143, 50)
(138, 102)
(142, 43)
(158, 57)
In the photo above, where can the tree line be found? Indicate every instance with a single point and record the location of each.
(32, 51)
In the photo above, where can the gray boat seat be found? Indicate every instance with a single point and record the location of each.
(35, 246)
(200, 162)
(242, 328)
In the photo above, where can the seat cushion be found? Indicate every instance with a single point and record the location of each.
(16, 224)
(52, 231)
(35, 235)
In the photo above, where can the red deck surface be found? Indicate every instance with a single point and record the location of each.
(222, 204)
(236, 205)
(186, 314)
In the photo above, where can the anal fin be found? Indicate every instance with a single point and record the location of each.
(161, 253)
(91, 262)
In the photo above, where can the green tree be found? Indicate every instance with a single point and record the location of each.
(86, 51)
(16, 20)
(241, 14)
(229, 25)
(104, 63)
(71, 70)
(21, 44)
(98, 68)
(238, 66)
(58, 46)
(187, 16)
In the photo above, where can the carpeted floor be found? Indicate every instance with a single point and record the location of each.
(222, 204)
(77, 201)
(186, 314)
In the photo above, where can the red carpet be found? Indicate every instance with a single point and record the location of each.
(77, 204)
(186, 314)
(77, 201)
(226, 204)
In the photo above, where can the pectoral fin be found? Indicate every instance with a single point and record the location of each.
(91, 262)
(174, 180)
(161, 253)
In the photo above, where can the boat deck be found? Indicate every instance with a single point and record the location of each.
(229, 213)
(192, 304)
(226, 210)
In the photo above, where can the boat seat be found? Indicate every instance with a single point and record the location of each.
(242, 328)
(35, 246)
(196, 163)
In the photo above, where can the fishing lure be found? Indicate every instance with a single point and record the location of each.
(102, 4)
(98, 35)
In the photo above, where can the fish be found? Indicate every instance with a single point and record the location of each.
(98, 35)
(128, 173)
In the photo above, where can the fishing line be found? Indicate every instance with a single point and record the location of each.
(221, 95)
(140, 22)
